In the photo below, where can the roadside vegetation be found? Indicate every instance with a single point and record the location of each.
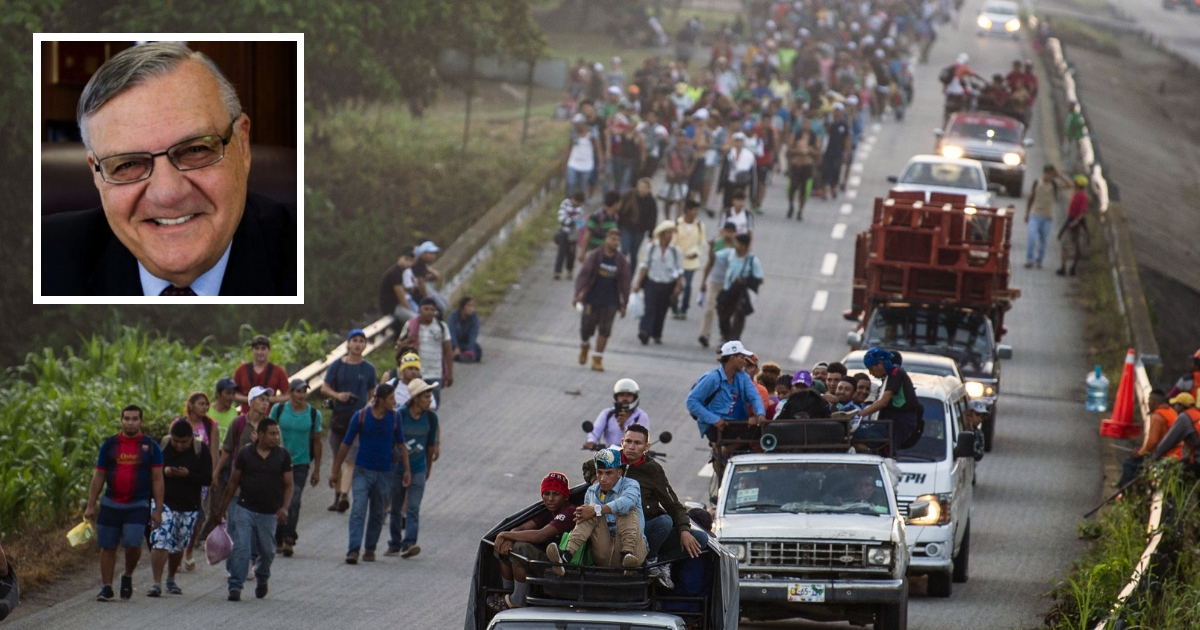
(1078, 33)
(1169, 597)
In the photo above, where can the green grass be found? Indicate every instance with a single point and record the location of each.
(1104, 326)
(494, 278)
(1078, 33)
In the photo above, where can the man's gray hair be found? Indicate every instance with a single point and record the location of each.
(134, 66)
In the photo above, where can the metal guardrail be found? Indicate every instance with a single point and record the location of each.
(462, 258)
(1132, 304)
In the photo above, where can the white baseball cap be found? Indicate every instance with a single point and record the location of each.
(700, 114)
(739, 136)
(612, 89)
(257, 391)
(734, 347)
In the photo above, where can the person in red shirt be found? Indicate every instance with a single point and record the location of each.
(260, 373)
(530, 539)
(130, 469)
(1074, 233)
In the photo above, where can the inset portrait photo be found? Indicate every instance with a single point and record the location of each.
(168, 169)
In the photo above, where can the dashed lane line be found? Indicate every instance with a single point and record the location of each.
(851, 194)
(855, 181)
(820, 300)
(800, 351)
(847, 208)
(839, 231)
(828, 264)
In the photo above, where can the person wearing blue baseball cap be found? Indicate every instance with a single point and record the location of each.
(349, 381)
(610, 519)
(897, 402)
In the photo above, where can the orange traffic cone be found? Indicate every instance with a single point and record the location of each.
(1120, 425)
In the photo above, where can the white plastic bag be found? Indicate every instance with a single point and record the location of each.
(637, 305)
(218, 546)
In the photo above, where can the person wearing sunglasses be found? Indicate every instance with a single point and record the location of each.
(169, 149)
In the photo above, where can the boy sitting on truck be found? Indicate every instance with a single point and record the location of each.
(610, 519)
(897, 402)
(527, 541)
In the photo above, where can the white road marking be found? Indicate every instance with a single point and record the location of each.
(800, 351)
(871, 139)
(857, 167)
(839, 231)
(851, 194)
(876, 127)
(854, 181)
(828, 264)
(846, 207)
(707, 471)
(820, 299)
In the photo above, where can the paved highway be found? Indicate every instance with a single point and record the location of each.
(510, 420)
(1178, 28)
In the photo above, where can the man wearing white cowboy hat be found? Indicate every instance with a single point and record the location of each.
(421, 436)
(660, 275)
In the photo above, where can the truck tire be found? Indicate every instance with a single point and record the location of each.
(893, 616)
(940, 585)
(962, 561)
(989, 430)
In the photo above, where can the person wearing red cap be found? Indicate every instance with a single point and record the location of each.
(529, 540)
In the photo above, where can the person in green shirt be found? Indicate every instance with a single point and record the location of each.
(300, 427)
(223, 409)
(1074, 127)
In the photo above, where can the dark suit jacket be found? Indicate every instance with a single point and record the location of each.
(82, 256)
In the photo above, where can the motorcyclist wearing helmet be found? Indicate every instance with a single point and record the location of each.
(897, 401)
(612, 422)
(610, 519)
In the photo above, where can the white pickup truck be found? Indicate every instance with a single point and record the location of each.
(818, 536)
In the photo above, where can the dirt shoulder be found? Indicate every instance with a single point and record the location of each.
(1143, 109)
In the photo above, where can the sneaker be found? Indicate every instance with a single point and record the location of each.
(155, 591)
(703, 340)
(343, 503)
(288, 548)
(661, 573)
(629, 561)
(105, 594)
(173, 588)
(369, 555)
(410, 551)
(235, 596)
(510, 603)
(352, 557)
(1029, 265)
(791, 210)
(1062, 271)
(556, 558)
(643, 337)
(583, 353)
(391, 552)
(126, 586)
(657, 341)
(260, 591)
(558, 276)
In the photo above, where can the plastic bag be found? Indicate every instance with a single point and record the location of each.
(81, 533)
(218, 546)
(637, 305)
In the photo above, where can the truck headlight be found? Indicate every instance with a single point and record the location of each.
(1012, 159)
(1013, 25)
(738, 549)
(974, 389)
(879, 556)
(952, 152)
(939, 510)
(985, 22)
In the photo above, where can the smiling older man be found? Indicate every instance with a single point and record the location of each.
(181, 225)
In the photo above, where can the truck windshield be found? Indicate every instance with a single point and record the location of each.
(575, 625)
(943, 174)
(808, 487)
(964, 336)
(932, 445)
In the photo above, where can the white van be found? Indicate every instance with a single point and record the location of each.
(939, 470)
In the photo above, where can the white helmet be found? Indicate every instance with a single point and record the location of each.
(626, 386)
(963, 58)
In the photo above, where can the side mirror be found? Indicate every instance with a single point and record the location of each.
(918, 509)
(664, 437)
(1027, 142)
(966, 444)
(892, 178)
(853, 338)
(939, 132)
(588, 426)
(1003, 351)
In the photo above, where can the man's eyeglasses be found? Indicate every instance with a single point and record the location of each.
(188, 155)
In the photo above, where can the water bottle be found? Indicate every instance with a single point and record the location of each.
(1097, 391)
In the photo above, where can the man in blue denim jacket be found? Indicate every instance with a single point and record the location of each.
(617, 540)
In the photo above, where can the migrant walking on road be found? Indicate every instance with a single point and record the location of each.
(601, 291)
(260, 373)
(349, 381)
(422, 441)
(187, 470)
(300, 428)
(660, 278)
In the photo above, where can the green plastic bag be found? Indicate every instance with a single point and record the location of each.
(583, 556)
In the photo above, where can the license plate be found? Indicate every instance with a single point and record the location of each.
(808, 593)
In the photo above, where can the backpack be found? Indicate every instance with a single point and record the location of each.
(946, 75)
(709, 399)
(312, 412)
(197, 445)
